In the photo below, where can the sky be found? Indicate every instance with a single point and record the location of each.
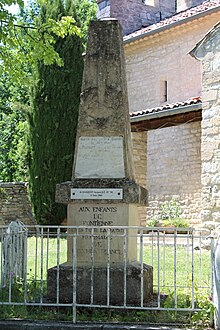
(14, 8)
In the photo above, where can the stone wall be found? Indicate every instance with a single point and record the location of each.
(174, 161)
(166, 8)
(15, 203)
(168, 162)
(133, 14)
(154, 60)
(139, 140)
(174, 169)
(208, 52)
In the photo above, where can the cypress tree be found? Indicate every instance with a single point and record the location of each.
(53, 120)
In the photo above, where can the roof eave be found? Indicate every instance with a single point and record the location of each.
(172, 25)
(166, 113)
(194, 51)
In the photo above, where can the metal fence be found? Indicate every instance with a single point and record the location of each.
(63, 267)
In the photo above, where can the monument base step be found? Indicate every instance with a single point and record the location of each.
(116, 284)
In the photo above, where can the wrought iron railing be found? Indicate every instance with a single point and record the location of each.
(174, 268)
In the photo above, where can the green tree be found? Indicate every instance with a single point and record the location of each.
(13, 128)
(86, 11)
(53, 120)
(25, 41)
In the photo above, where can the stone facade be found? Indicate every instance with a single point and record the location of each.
(208, 52)
(174, 169)
(133, 14)
(15, 203)
(171, 177)
(139, 140)
(153, 60)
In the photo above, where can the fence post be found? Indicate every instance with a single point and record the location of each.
(217, 285)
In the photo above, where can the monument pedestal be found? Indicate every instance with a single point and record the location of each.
(96, 279)
(99, 203)
(98, 246)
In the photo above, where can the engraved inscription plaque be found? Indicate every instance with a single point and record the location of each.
(95, 221)
(100, 157)
(97, 193)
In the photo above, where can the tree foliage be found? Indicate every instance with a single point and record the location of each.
(25, 40)
(53, 120)
(41, 49)
(86, 11)
(13, 128)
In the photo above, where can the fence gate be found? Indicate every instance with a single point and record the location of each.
(14, 253)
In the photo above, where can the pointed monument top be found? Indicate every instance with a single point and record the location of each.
(103, 142)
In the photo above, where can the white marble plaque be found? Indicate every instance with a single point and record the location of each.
(96, 193)
(100, 157)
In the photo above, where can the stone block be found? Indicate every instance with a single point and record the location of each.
(85, 282)
(210, 95)
(132, 192)
(97, 216)
(205, 215)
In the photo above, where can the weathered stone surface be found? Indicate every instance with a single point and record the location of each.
(132, 192)
(208, 51)
(174, 169)
(208, 47)
(182, 175)
(98, 217)
(135, 14)
(139, 141)
(105, 157)
(116, 284)
(103, 172)
(15, 203)
(104, 112)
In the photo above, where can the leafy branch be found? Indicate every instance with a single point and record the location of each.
(23, 44)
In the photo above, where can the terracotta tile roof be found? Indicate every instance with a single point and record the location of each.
(165, 107)
(178, 18)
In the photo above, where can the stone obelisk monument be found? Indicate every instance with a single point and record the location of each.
(102, 191)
